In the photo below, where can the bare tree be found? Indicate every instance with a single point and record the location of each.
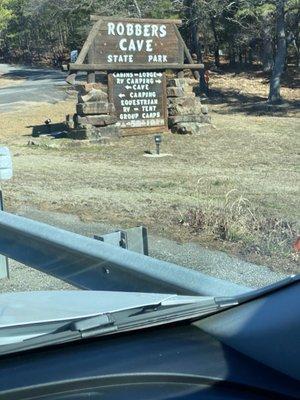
(274, 93)
(267, 42)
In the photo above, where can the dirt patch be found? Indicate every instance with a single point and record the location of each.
(253, 155)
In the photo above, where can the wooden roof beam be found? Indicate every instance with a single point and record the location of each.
(133, 67)
(137, 20)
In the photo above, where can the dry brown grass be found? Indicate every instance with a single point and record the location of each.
(4, 82)
(236, 220)
(247, 92)
(251, 85)
(254, 156)
(17, 125)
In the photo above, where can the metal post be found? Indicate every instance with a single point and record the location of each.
(157, 148)
(158, 140)
(6, 172)
(4, 267)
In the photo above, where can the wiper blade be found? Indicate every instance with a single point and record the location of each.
(77, 330)
(99, 324)
(122, 321)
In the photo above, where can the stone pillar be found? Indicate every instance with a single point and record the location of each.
(186, 113)
(95, 116)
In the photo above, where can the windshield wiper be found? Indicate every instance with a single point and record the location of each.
(122, 321)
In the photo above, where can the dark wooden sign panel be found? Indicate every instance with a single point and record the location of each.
(139, 98)
(134, 41)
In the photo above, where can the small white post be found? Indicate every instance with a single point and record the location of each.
(6, 173)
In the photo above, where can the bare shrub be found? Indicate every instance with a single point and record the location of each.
(235, 220)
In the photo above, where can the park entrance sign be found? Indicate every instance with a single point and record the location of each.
(132, 41)
(126, 60)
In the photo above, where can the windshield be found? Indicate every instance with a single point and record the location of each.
(162, 133)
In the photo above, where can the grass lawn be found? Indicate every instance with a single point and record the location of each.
(234, 189)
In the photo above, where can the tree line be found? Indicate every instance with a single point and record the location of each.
(242, 31)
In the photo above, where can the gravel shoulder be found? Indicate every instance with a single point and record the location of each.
(25, 279)
(190, 255)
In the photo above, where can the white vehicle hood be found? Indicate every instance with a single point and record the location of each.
(19, 309)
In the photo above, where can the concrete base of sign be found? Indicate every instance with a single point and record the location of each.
(154, 155)
(94, 133)
(183, 119)
(192, 128)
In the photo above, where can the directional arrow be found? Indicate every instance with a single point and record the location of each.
(158, 81)
(136, 109)
(121, 95)
(128, 87)
(159, 74)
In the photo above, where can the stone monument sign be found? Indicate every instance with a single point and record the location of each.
(127, 89)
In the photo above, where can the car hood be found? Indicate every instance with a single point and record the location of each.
(19, 309)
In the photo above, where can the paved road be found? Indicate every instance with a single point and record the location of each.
(36, 85)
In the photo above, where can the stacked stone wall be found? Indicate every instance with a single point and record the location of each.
(186, 114)
(95, 116)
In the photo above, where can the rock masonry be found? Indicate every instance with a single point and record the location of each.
(95, 118)
(186, 113)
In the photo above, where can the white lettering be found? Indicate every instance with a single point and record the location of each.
(151, 115)
(159, 58)
(120, 58)
(120, 29)
(154, 30)
(129, 116)
(147, 32)
(139, 44)
(148, 108)
(138, 102)
(130, 29)
(111, 28)
(122, 43)
(138, 30)
(149, 45)
(140, 87)
(134, 95)
(162, 30)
